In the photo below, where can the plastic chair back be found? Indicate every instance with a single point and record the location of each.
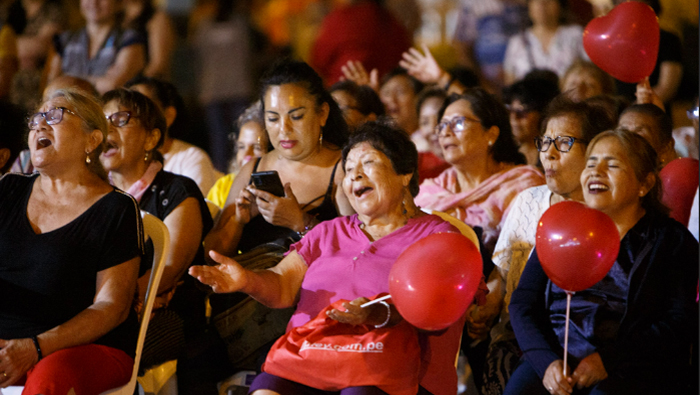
(159, 234)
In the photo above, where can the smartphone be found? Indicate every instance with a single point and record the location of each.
(268, 181)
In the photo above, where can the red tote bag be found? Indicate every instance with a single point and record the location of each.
(329, 355)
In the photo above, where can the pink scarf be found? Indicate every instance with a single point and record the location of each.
(139, 187)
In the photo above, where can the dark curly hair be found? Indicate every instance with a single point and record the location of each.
(391, 141)
(491, 112)
(288, 71)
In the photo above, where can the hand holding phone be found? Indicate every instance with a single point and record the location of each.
(268, 181)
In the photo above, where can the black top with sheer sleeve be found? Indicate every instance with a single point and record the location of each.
(47, 279)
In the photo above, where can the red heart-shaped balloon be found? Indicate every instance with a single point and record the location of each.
(625, 42)
(577, 245)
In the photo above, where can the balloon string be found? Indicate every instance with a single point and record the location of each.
(375, 301)
(566, 329)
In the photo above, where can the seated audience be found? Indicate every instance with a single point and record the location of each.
(652, 123)
(252, 143)
(525, 101)
(567, 128)
(135, 166)
(306, 129)
(583, 80)
(45, 18)
(547, 44)
(430, 160)
(359, 103)
(102, 52)
(380, 165)
(631, 332)
(71, 247)
(159, 33)
(487, 173)
(428, 104)
(180, 157)
(487, 170)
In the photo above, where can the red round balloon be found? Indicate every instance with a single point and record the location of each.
(680, 183)
(625, 42)
(435, 279)
(576, 245)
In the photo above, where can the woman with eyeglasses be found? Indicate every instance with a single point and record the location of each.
(70, 247)
(134, 164)
(567, 128)
(487, 172)
(631, 332)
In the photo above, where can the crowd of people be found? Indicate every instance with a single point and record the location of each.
(371, 140)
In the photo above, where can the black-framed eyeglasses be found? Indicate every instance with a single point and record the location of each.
(518, 112)
(120, 118)
(457, 125)
(693, 113)
(52, 117)
(561, 143)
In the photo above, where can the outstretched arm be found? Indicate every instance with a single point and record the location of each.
(276, 287)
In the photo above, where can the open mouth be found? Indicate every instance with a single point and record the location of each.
(43, 142)
(597, 187)
(110, 148)
(361, 191)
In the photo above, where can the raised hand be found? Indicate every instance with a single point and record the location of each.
(226, 277)
(423, 66)
(354, 71)
(646, 95)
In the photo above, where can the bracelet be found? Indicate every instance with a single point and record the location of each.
(388, 315)
(452, 79)
(304, 232)
(307, 228)
(38, 348)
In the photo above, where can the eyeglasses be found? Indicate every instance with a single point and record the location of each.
(52, 117)
(561, 143)
(518, 112)
(119, 118)
(693, 113)
(456, 124)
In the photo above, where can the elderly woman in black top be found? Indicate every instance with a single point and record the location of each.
(70, 247)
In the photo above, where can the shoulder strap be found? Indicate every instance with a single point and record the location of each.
(329, 190)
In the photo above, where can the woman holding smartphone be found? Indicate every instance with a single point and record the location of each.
(307, 130)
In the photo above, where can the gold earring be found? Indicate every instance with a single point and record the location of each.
(145, 157)
(641, 193)
(87, 158)
(320, 139)
(490, 143)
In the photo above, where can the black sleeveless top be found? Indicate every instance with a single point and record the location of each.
(258, 231)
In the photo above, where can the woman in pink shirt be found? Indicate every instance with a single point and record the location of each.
(350, 257)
